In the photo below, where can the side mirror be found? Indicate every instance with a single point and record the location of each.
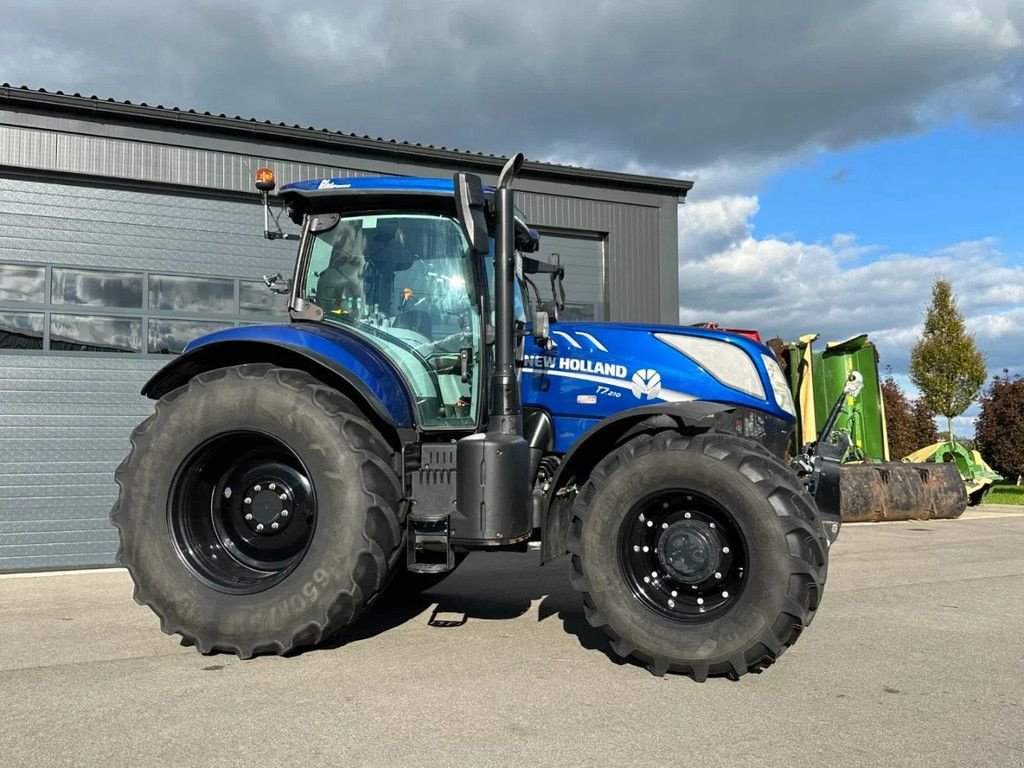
(469, 206)
(277, 283)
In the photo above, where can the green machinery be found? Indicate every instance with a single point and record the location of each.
(977, 475)
(872, 486)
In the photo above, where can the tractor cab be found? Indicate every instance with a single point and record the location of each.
(387, 261)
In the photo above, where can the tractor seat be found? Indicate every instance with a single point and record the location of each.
(417, 320)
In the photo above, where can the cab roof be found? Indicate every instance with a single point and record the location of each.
(369, 185)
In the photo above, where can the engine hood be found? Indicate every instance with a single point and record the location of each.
(598, 369)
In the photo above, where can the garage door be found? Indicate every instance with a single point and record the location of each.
(97, 287)
(582, 255)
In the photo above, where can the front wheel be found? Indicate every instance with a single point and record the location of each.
(699, 554)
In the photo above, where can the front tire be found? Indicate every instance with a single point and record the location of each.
(259, 511)
(699, 554)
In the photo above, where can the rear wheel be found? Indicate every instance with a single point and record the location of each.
(699, 554)
(258, 511)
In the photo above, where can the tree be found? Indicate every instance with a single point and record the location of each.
(899, 419)
(925, 431)
(945, 364)
(999, 429)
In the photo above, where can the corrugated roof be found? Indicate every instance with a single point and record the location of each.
(208, 121)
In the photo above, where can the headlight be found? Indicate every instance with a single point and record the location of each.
(779, 386)
(726, 362)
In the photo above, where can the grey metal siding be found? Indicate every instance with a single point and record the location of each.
(64, 426)
(91, 192)
(636, 225)
(65, 418)
(632, 236)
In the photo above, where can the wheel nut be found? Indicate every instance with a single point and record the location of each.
(248, 517)
(257, 488)
(284, 497)
(671, 603)
(227, 492)
(725, 550)
(718, 575)
(247, 500)
(284, 513)
(274, 526)
(687, 515)
(259, 526)
(272, 486)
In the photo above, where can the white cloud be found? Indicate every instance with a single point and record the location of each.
(721, 89)
(840, 288)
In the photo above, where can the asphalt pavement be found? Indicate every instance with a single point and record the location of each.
(915, 659)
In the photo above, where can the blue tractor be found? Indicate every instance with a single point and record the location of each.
(424, 402)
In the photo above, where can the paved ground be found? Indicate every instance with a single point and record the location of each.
(916, 659)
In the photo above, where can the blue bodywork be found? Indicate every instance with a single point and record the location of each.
(336, 347)
(602, 369)
(375, 184)
(597, 370)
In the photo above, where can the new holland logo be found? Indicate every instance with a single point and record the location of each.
(646, 382)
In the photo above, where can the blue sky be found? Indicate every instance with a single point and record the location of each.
(916, 193)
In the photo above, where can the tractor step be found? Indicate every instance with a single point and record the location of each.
(428, 544)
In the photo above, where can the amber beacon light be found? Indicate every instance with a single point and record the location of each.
(264, 179)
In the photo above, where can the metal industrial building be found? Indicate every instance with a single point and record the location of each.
(127, 229)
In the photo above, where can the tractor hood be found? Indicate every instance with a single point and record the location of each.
(599, 369)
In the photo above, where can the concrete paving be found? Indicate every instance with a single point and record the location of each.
(916, 659)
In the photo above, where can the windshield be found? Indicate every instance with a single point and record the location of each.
(405, 284)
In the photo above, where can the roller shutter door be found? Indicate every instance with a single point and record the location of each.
(97, 287)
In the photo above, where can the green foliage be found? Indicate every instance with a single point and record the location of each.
(910, 424)
(899, 420)
(925, 431)
(945, 364)
(1006, 494)
(1000, 426)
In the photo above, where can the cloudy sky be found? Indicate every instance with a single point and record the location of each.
(845, 153)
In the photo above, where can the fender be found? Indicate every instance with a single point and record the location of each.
(598, 442)
(337, 358)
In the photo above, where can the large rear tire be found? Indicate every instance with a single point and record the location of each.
(259, 511)
(698, 554)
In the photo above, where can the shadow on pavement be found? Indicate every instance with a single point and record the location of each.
(486, 587)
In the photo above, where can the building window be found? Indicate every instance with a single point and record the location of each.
(192, 294)
(169, 337)
(91, 333)
(21, 282)
(21, 330)
(135, 312)
(90, 288)
(254, 298)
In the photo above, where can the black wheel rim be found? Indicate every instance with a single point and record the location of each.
(242, 512)
(683, 555)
